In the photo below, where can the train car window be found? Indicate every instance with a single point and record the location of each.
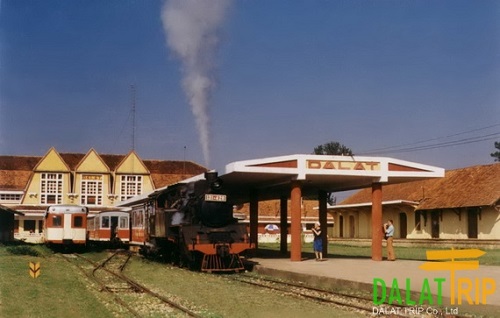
(57, 220)
(123, 222)
(137, 217)
(78, 221)
(105, 222)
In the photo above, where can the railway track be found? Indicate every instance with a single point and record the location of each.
(133, 297)
(362, 305)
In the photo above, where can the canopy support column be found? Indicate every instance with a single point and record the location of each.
(296, 226)
(254, 218)
(377, 221)
(283, 224)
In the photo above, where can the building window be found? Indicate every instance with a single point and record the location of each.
(29, 226)
(10, 197)
(91, 190)
(51, 188)
(130, 186)
(418, 226)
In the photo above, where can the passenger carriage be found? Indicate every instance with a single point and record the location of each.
(66, 225)
(109, 226)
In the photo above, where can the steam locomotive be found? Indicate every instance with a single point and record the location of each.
(190, 224)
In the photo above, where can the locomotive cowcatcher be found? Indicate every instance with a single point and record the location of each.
(191, 224)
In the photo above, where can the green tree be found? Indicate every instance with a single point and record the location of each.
(333, 148)
(496, 154)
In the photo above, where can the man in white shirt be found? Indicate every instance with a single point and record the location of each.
(389, 233)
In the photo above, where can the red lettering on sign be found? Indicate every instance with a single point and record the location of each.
(359, 166)
(329, 165)
(343, 167)
(372, 165)
(313, 164)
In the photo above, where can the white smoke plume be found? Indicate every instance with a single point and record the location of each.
(192, 28)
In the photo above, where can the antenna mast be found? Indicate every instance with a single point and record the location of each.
(132, 93)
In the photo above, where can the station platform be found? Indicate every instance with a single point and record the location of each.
(362, 273)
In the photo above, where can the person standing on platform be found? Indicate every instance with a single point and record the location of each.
(389, 234)
(318, 242)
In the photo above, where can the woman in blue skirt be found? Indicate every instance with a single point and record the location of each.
(318, 242)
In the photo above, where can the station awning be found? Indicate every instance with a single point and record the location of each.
(270, 177)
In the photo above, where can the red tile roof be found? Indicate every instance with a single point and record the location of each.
(15, 171)
(466, 187)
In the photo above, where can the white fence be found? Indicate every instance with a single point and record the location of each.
(275, 238)
(29, 237)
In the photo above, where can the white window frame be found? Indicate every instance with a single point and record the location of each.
(130, 186)
(11, 196)
(91, 186)
(123, 222)
(51, 184)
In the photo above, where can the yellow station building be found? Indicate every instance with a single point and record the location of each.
(30, 184)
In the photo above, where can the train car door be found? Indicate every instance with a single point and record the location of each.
(114, 227)
(67, 227)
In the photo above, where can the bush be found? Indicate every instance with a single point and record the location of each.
(23, 250)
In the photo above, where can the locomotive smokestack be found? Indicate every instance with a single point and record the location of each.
(213, 181)
(211, 176)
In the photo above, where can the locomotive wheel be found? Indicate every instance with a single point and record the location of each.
(195, 262)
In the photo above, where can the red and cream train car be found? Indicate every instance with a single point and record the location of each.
(109, 227)
(138, 226)
(66, 225)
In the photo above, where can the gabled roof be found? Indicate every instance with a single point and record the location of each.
(465, 187)
(52, 161)
(15, 171)
(131, 163)
(96, 165)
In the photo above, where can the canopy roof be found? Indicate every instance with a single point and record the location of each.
(271, 177)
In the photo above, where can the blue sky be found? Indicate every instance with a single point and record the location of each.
(286, 76)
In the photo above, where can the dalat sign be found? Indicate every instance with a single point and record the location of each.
(343, 165)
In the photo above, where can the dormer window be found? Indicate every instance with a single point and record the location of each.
(130, 186)
(91, 193)
(51, 188)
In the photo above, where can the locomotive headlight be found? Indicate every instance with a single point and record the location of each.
(216, 184)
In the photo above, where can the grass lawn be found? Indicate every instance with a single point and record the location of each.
(57, 292)
(63, 291)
